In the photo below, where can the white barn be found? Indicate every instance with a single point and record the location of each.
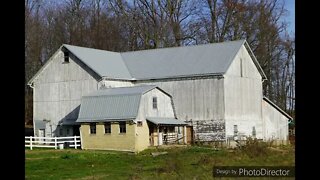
(216, 88)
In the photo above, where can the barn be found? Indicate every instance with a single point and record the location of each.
(215, 88)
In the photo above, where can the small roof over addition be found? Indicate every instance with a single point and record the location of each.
(112, 104)
(277, 107)
(165, 121)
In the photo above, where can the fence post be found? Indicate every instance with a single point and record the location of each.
(75, 142)
(30, 142)
(55, 142)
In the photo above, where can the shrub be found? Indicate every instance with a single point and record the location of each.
(255, 148)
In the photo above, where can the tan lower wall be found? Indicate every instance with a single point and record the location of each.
(113, 141)
(142, 136)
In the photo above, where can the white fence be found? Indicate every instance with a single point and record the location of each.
(52, 142)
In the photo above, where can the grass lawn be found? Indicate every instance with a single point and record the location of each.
(191, 162)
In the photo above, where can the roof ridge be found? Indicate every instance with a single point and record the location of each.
(140, 85)
(92, 48)
(188, 46)
(128, 69)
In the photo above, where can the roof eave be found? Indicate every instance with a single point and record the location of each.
(277, 107)
(105, 119)
(255, 61)
(92, 69)
(30, 82)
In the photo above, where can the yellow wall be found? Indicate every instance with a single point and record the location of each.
(142, 136)
(113, 141)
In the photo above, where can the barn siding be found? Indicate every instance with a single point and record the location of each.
(164, 105)
(114, 83)
(275, 122)
(243, 94)
(58, 90)
(198, 99)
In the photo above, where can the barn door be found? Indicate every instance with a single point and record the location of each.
(189, 134)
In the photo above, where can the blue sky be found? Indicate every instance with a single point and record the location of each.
(290, 6)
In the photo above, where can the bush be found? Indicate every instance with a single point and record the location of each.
(255, 148)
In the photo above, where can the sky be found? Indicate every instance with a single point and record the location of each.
(290, 18)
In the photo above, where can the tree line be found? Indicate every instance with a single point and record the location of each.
(124, 25)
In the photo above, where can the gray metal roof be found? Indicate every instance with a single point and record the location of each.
(112, 104)
(105, 63)
(165, 121)
(208, 59)
(182, 61)
(160, 63)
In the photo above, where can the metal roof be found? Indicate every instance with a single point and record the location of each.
(277, 107)
(160, 63)
(112, 104)
(165, 121)
(207, 59)
(105, 63)
(182, 61)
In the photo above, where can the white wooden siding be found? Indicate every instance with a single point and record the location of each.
(243, 96)
(196, 99)
(276, 124)
(114, 83)
(58, 90)
(200, 102)
(163, 102)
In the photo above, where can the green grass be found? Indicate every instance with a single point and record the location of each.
(180, 163)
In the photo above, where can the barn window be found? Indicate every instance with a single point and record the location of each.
(235, 130)
(107, 128)
(139, 123)
(93, 129)
(154, 103)
(122, 127)
(68, 130)
(66, 57)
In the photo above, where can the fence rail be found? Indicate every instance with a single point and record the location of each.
(52, 142)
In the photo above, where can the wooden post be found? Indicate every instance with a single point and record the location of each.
(185, 134)
(30, 142)
(55, 142)
(158, 136)
(75, 142)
